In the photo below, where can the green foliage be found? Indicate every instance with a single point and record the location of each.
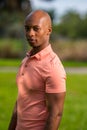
(82, 27)
(11, 24)
(12, 48)
(72, 25)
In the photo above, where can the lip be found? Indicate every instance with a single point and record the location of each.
(31, 40)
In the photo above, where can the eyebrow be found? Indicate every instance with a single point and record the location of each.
(32, 26)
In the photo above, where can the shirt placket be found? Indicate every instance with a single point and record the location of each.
(25, 65)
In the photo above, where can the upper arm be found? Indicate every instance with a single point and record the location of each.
(55, 102)
(56, 79)
(55, 85)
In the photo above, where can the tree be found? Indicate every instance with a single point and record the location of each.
(82, 27)
(12, 16)
(72, 25)
(15, 5)
(69, 22)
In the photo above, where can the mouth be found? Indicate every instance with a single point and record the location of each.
(31, 40)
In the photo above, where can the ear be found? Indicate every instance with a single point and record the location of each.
(49, 31)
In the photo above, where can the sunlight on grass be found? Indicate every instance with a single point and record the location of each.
(8, 92)
(75, 109)
(16, 63)
(10, 62)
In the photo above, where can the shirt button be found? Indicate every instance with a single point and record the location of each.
(22, 74)
(25, 65)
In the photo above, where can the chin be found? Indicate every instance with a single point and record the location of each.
(33, 45)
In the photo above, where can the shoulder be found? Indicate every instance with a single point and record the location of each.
(53, 65)
(56, 67)
(55, 78)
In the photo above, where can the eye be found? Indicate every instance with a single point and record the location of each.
(27, 28)
(36, 29)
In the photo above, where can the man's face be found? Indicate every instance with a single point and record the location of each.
(36, 31)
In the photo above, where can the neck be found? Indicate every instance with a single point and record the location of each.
(38, 49)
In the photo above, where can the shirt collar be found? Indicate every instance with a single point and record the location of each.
(40, 54)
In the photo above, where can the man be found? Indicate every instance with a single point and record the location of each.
(40, 80)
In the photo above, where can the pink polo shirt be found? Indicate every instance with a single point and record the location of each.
(38, 74)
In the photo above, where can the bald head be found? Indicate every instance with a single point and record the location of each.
(38, 29)
(41, 15)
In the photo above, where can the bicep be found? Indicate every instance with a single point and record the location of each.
(55, 101)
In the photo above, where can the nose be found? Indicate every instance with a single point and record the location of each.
(31, 32)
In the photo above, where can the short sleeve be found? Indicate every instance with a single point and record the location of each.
(56, 81)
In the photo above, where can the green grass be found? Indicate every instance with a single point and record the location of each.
(75, 109)
(10, 62)
(75, 63)
(8, 93)
(16, 62)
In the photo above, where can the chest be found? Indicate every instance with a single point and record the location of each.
(29, 78)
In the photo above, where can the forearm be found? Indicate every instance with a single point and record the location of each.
(53, 121)
(13, 121)
(55, 108)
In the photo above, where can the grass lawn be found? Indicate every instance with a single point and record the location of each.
(16, 62)
(75, 110)
(8, 92)
(75, 63)
(10, 62)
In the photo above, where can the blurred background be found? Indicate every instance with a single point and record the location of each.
(69, 37)
(69, 41)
